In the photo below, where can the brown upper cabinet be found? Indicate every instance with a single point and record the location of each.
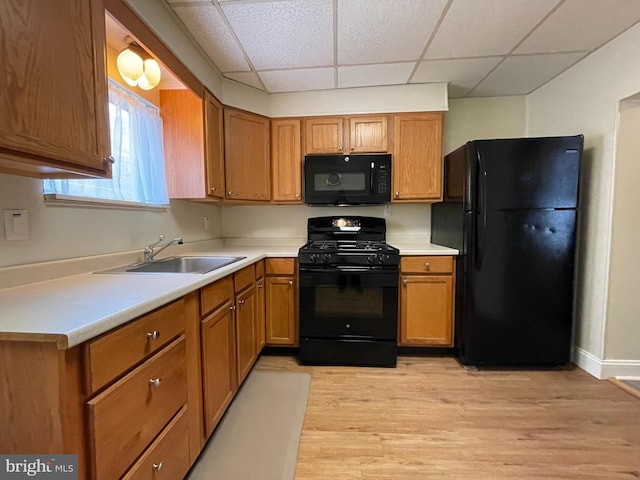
(247, 161)
(53, 93)
(352, 134)
(286, 161)
(193, 144)
(417, 157)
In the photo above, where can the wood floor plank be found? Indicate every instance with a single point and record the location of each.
(431, 418)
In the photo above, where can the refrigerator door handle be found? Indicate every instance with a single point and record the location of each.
(481, 222)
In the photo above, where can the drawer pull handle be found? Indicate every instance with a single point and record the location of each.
(157, 466)
(427, 266)
(153, 335)
(155, 382)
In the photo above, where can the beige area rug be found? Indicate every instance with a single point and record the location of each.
(259, 435)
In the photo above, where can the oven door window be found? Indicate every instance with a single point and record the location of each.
(358, 304)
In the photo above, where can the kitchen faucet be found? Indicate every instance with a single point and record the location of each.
(149, 254)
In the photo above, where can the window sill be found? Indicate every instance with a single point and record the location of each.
(57, 199)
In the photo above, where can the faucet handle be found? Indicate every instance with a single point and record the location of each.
(156, 243)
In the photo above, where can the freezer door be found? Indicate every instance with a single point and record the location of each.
(515, 303)
(524, 173)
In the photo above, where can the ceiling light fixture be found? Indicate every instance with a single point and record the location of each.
(137, 67)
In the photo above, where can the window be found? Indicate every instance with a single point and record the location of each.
(136, 145)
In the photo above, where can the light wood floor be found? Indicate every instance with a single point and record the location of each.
(430, 418)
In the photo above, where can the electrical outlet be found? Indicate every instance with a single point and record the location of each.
(387, 210)
(205, 223)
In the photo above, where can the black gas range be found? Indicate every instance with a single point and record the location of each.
(348, 293)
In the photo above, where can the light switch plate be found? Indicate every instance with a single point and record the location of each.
(16, 224)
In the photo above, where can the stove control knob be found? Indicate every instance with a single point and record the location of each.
(372, 259)
(314, 257)
(326, 257)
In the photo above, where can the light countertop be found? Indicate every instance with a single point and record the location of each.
(74, 309)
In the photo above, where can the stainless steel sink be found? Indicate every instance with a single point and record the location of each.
(185, 264)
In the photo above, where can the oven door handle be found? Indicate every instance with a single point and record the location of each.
(345, 268)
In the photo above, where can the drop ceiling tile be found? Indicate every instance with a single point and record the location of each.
(208, 27)
(247, 78)
(284, 34)
(368, 75)
(298, 80)
(462, 74)
(389, 31)
(593, 22)
(477, 28)
(521, 75)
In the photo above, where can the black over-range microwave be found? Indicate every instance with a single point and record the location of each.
(347, 179)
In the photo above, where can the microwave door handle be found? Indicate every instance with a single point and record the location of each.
(373, 170)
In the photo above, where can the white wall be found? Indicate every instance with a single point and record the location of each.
(59, 232)
(483, 118)
(585, 100)
(622, 334)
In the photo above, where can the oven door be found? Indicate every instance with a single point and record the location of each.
(349, 302)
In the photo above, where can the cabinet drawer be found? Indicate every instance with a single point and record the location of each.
(214, 295)
(280, 266)
(127, 416)
(168, 456)
(243, 278)
(116, 352)
(426, 264)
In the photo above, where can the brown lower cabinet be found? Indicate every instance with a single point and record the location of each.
(426, 301)
(281, 300)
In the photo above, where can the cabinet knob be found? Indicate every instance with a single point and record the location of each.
(404, 281)
(427, 266)
(154, 335)
(213, 189)
(259, 285)
(290, 282)
(241, 302)
(155, 382)
(353, 147)
(157, 466)
(340, 148)
(297, 195)
(109, 160)
(397, 194)
(232, 307)
(230, 193)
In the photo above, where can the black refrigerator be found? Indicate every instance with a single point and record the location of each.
(511, 207)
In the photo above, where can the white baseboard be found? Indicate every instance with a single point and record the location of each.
(603, 369)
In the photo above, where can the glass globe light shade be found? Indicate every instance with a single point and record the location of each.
(151, 73)
(130, 66)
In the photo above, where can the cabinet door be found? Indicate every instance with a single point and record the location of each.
(183, 139)
(368, 134)
(247, 163)
(286, 161)
(281, 313)
(426, 310)
(245, 332)
(260, 314)
(53, 91)
(214, 146)
(218, 364)
(324, 135)
(417, 157)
